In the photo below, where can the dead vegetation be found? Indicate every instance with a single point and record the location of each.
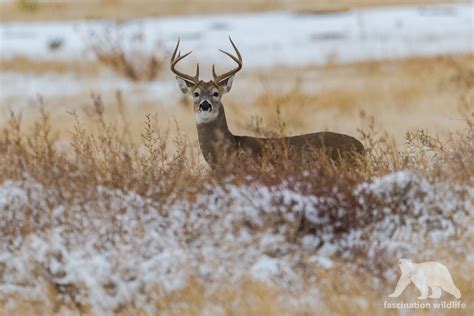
(105, 173)
(399, 93)
(33, 10)
(108, 180)
(116, 50)
(21, 64)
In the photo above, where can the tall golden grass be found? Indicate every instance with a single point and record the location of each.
(73, 153)
(109, 156)
(399, 93)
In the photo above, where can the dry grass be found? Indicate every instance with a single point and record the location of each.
(21, 64)
(108, 157)
(251, 298)
(117, 142)
(419, 92)
(399, 93)
(31, 10)
(108, 49)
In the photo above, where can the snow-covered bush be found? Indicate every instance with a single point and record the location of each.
(116, 227)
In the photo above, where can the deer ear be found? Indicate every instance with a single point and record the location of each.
(184, 85)
(227, 84)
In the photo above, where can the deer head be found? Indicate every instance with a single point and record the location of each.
(206, 94)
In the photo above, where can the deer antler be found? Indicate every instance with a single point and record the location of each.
(238, 60)
(175, 59)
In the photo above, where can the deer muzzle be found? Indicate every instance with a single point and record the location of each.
(205, 106)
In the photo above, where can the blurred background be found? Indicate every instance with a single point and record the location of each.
(124, 227)
(327, 65)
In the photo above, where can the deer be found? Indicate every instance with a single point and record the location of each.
(220, 146)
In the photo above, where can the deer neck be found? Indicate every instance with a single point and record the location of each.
(215, 139)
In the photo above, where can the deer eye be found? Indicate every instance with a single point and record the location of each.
(216, 94)
(196, 94)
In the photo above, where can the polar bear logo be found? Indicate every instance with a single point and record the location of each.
(427, 274)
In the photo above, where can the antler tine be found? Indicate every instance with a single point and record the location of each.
(238, 60)
(175, 59)
(235, 48)
(176, 51)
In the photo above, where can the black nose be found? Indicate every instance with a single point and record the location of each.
(205, 106)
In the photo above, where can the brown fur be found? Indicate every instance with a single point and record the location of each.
(219, 145)
(221, 148)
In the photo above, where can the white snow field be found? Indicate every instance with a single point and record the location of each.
(264, 39)
(268, 39)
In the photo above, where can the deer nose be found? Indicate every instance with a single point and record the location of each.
(205, 106)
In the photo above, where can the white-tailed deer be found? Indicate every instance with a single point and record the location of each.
(219, 145)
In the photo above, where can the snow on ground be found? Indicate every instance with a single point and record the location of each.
(265, 39)
(52, 84)
(108, 259)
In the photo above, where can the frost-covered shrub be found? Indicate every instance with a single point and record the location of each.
(112, 228)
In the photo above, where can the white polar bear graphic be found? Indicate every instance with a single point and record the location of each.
(427, 274)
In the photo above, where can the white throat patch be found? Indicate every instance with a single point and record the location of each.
(203, 117)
